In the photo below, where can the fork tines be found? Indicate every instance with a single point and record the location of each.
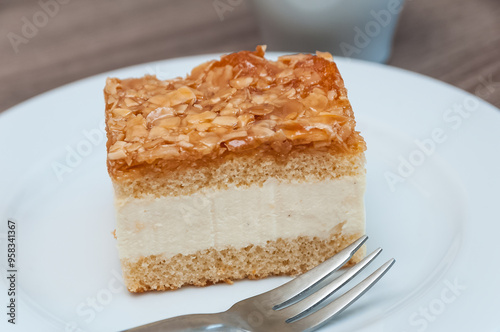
(302, 299)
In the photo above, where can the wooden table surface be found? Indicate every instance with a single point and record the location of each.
(456, 41)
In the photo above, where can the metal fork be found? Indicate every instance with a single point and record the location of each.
(298, 305)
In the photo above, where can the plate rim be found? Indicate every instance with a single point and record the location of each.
(216, 55)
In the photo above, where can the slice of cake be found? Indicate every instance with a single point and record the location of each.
(245, 168)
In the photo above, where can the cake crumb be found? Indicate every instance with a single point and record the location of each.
(114, 234)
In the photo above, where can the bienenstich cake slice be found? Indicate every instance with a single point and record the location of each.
(243, 169)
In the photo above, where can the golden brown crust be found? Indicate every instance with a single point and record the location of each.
(240, 103)
(281, 257)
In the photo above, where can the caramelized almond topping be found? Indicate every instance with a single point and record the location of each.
(240, 102)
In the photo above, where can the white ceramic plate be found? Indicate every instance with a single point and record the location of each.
(432, 203)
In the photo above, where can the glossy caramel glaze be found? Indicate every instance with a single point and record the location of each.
(240, 104)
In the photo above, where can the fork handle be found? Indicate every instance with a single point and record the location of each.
(198, 322)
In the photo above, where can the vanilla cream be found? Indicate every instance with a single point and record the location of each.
(238, 217)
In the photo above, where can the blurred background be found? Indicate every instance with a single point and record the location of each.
(48, 43)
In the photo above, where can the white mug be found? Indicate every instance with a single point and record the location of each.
(360, 29)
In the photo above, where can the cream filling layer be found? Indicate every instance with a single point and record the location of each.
(238, 217)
